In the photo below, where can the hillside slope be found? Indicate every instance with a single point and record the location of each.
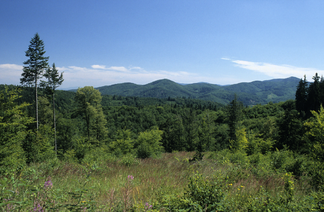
(257, 92)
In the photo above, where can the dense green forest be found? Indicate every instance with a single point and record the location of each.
(84, 151)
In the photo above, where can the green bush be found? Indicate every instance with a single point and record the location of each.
(240, 157)
(318, 200)
(280, 159)
(316, 170)
(206, 192)
(123, 143)
(70, 156)
(129, 160)
(95, 158)
(202, 194)
(148, 143)
(257, 144)
(297, 167)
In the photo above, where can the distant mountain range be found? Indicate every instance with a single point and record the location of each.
(257, 92)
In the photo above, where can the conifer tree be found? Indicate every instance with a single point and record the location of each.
(290, 129)
(54, 80)
(321, 87)
(301, 96)
(191, 129)
(173, 136)
(206, 131)
(313, 100)
(235, 115)
(34, 66)
(13, 130)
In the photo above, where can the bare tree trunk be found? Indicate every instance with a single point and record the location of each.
(36, 102)
(54, 125)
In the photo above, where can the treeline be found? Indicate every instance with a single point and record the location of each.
(87, 120)
(309, 96)
(187, 125)
(81, 118)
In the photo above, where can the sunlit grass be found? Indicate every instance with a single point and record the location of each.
(112, 190)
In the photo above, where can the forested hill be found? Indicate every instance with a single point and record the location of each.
(257, 92)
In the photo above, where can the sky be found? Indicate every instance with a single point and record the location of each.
(105, 42)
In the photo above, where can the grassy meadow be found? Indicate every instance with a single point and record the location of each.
(222, 181)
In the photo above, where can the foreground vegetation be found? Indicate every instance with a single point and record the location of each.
(222, 181)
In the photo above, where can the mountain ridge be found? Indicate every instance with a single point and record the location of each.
(250, 93)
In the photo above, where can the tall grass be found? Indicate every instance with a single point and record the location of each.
(149, 184)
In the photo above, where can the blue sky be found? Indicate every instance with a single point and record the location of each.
(105, 42)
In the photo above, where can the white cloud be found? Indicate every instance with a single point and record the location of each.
(101, 75)
(98, 67)
(10, 74)
(11, 67)
(277, 71)
(118, 68)
(138, 68)
(95, 76)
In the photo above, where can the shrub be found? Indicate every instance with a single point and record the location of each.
(129, 160)
(257, 144)
(148, 143)
(69, 156)
(96, 157)
(280, 159)
(316, 170)
(205, 192)
(297, 167)
(123, 143)
(239, 157)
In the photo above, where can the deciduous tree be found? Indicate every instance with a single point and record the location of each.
(88, 102)
(315, 134)
(148, 143)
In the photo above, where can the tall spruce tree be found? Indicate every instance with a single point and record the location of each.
(290, 128)
(313, 100)
(301, 96)
(234, 116)
(321, 87)
(34, 67)
(54, 80)
(190, 123)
